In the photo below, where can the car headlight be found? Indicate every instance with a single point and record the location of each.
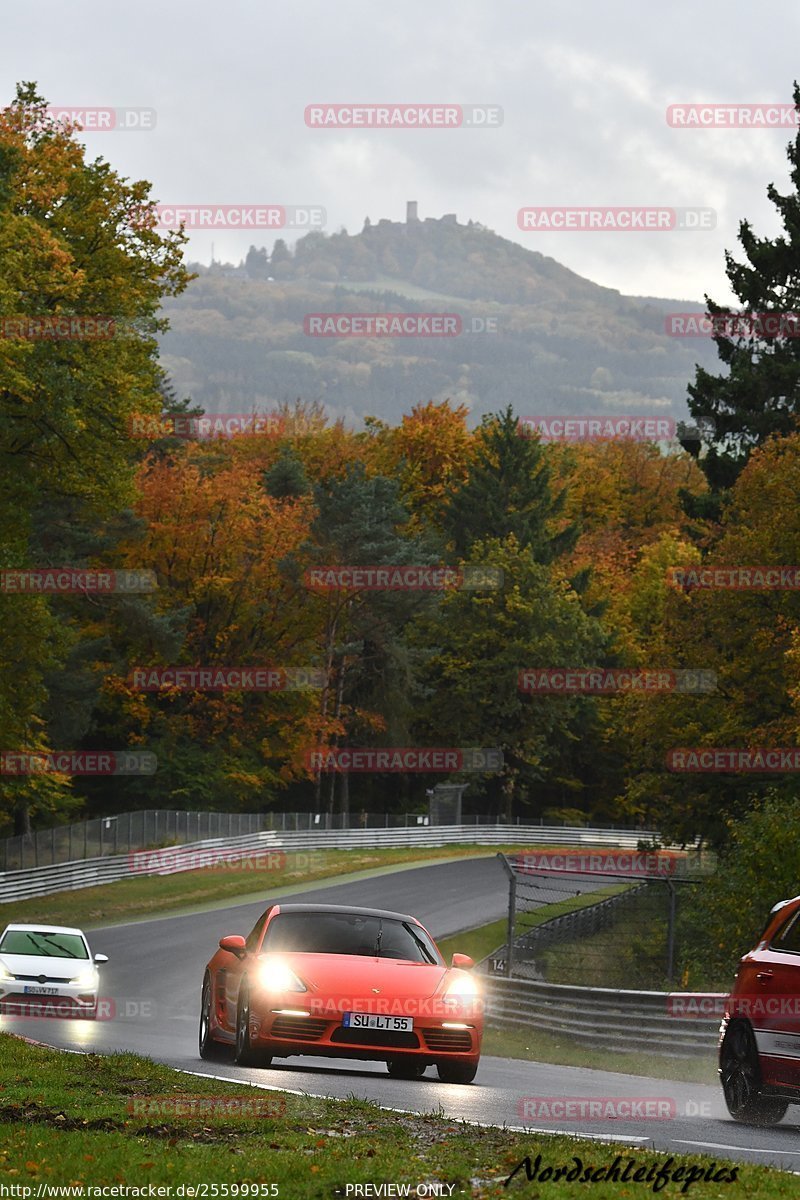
(277, 976)
(5, 975)
(462, 987)
(86, 978)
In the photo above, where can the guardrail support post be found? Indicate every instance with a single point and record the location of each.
(671, 933)
(512, 912)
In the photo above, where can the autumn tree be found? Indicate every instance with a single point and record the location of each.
(508, 491)
(78, 244)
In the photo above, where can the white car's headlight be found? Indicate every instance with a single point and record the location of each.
(463, 987)
(277, 976)
(86, 978)
(5, 975)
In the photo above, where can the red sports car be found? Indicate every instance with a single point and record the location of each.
(759, 1052)
(344, 983)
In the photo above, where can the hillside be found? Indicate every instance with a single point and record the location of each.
(560, 343)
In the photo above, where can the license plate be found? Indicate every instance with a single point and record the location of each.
(40, 991)
(352, 1020)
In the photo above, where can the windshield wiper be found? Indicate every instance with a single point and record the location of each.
(64, 952)
(379, 938)
(426, 952)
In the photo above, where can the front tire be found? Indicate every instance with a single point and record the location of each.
(456, 1072)
(245, 1054)
(399, 1069)
(740, 1075)
(205, 1040)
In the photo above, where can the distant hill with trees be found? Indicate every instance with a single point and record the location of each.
(560, 343)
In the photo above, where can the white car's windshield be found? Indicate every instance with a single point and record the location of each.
(43, 943)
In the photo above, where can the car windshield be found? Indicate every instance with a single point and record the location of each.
(43, 943)
(349, 933)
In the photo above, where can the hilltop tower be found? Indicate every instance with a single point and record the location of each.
(411, 211)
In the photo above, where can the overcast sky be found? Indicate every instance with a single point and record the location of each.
(584, 89)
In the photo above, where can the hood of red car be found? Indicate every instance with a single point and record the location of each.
(358, 975)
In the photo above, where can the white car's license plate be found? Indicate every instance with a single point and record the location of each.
(40, 991)
(352, 1020)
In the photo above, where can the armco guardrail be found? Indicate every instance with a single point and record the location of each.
(43, 881)
(603, 1017)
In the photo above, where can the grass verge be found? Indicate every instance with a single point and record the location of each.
(541, 1045)
(144, 896)
(82, 1120)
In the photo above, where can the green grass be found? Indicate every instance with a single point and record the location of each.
(87, 1120)
(541, 1045)
(146, 896)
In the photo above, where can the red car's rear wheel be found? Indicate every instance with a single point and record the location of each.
(740, 1074)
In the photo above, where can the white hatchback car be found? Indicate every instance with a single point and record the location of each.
(48, 970)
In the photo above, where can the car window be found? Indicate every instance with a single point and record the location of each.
(787, 938)
(43, 943)
(349, 933)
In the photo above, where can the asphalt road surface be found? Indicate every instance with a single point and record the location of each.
(156, 970)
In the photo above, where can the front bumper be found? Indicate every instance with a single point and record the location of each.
(58, 1000)
(287, 1029)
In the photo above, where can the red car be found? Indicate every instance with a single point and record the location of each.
(759, 1049)
(344, 983)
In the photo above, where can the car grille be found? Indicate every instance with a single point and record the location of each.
(55, 1005)
(306, 1029)
(46, 979)
(375, 1037)
(454, 1040)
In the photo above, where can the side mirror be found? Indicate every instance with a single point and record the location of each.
(101, 958)
(234, 944)
(463, 961)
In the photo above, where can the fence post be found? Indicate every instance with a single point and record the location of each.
(671, 933)
(512, 912)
